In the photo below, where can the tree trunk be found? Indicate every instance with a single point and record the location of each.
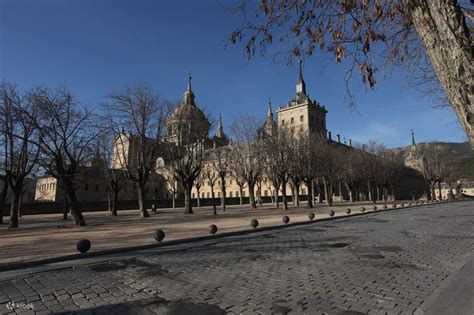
(253, 204)
(16, 190)
(214, 208)
(275, 193)
(313, 193)
(141, 200)
(240, 195)
(297, 194)
(439, 190)
(293, 199)
(433, 192)
(310, 193)
(222, 194)
(442, 27)
(283, 192)
(3, 200)
(188, 207)
(369, 190)
(198, 199)
(328, 191)
(349, 190)
(65, 207)
(114, 203)
(340, 191)
(72, 202)
(173, 196)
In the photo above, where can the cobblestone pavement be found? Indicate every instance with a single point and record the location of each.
(387, 262)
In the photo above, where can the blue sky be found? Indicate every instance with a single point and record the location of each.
(96, 46)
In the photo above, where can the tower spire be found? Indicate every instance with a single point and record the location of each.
(301, 85)
(189, 81)
(412, 138)
(270, 112)
(188, 97)
(220, 128)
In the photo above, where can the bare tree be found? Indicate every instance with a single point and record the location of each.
(248, 151)
(114, 179)
(221, 163)
(198, 183)
(211, 177)
(237, 173)
(3, 173)
(67, 134)
(277, 148)
(142, 112)
(21, 138)
(372, 35)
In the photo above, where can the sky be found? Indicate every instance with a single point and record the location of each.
(95, 47)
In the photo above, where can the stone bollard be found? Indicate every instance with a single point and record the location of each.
(374, 208)
(254, 223)
(348, 210)
(362, 209)
(159, 235)
(285, 219)
(212, 229)
(83, 245)
(311, 216)
(331, 213)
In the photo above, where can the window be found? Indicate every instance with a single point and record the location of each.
(265, 192)
(208, 194)
(301, 118)
(194, 196)
(219, 194)
(282, 122)
(156, 190)
(311, 118)
(230, 182)
(243, 193)
(292, 120)
(303, 191)
(202, 195)
(97, 187)
(86, 187)
(236, 193)
(230, 194)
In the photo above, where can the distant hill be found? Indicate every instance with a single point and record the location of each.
(459, 156)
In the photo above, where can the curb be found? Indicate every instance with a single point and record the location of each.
(34, 263)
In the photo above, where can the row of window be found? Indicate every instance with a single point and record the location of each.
(47, 186)
(230, 194)
(292, 120)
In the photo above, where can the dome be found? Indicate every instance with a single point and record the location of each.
(187, 122)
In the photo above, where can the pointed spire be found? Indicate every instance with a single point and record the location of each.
(270, 112)
(188, 97)
(301, 85)
(412, 138)
(189, 81)
(220, 128)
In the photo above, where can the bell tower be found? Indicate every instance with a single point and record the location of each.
(302, 114)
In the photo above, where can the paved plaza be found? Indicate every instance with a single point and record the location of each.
(393, 262)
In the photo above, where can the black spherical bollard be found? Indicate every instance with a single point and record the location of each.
(362, 209)
(394, 205)
(374, 207)
(311, 216)
(254, 223)
(159, 235)
(285, 219)
(212, 229)
(331, 213)
(83, 245)
(348, 210)
(385, 207)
